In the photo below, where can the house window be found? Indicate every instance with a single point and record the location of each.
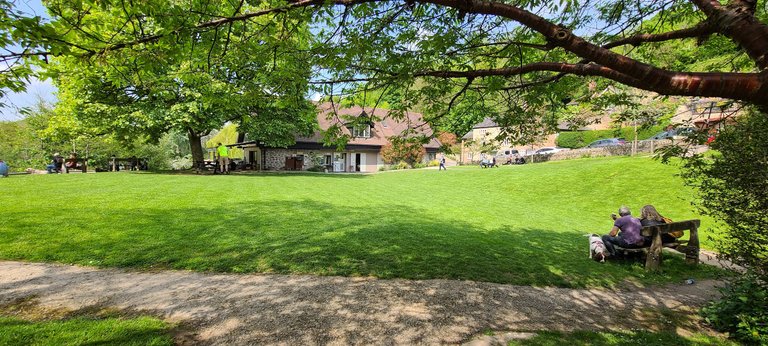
(361, 131)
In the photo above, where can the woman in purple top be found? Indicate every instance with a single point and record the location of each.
(629, 238)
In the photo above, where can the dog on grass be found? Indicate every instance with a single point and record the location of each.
(597, 250)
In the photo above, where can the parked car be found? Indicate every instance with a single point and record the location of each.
(677, 133)
(548, 150)
(506, 153)
(660, 136)
(507, 156)
(608, 142)
(545, 151)
(682, 132)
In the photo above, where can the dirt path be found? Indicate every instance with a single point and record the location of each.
(301, 309)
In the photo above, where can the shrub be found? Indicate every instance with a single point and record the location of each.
(731, 188)
(448, 143)
(181, 163)
(419, 165)
(742, 311)
(409, 150)
(433, 163)
(401, 165)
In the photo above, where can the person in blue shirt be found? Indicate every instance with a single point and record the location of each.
(3, 169)
(56, 164)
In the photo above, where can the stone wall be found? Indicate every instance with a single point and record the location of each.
(274, 159)
(643, 147)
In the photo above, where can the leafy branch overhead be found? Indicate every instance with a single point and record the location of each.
(439, 55)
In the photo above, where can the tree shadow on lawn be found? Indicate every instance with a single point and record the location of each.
(388, 241)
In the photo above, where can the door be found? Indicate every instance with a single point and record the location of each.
(358, 158)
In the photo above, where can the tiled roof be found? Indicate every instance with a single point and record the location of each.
(385, 126)
(487, 122)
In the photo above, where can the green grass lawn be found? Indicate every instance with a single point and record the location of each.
(621, 338)
(84, 331)
(514, 224)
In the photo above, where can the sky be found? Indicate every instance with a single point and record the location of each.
(36, 89)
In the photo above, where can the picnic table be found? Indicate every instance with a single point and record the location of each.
(689, 247)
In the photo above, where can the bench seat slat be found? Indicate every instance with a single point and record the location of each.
(671, 227)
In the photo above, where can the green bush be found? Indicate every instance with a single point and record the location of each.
(419, 165)
(433, 163)
(731, 184)
(580, 139)
(742, 311)
(401, 165)
(181, 163)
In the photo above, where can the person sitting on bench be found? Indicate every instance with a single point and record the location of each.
(55, 165)
(629, 238)
(71, 162)
(650, 217)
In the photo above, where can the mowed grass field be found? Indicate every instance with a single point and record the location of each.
(515, 224)
(85, 331)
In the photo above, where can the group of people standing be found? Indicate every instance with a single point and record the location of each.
(626, 231)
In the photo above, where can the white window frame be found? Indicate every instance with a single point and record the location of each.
(361, 132)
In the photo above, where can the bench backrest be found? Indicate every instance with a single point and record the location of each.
(672, 227)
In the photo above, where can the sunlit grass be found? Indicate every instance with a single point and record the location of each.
(514, 224)
(84, 331)
(621, 338)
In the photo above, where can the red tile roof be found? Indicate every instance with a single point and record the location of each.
(384, 125)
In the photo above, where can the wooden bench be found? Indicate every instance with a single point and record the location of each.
(77, 164)
(689, 247)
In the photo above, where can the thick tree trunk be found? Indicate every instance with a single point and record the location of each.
(195, 145)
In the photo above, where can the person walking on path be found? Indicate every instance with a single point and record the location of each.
(223, 152)
(442, 163)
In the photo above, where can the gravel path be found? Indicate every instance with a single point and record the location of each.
(227, 309)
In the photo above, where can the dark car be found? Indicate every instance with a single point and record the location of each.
(673, 134)
(608, 142)
(661, 135)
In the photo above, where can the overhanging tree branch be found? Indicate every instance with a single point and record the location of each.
(702, 29)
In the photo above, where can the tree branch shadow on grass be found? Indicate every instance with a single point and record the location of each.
(274, 309)
(389, 241)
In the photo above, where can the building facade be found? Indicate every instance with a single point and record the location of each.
(369, 131)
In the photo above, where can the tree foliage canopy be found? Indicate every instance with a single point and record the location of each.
(454, 59)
